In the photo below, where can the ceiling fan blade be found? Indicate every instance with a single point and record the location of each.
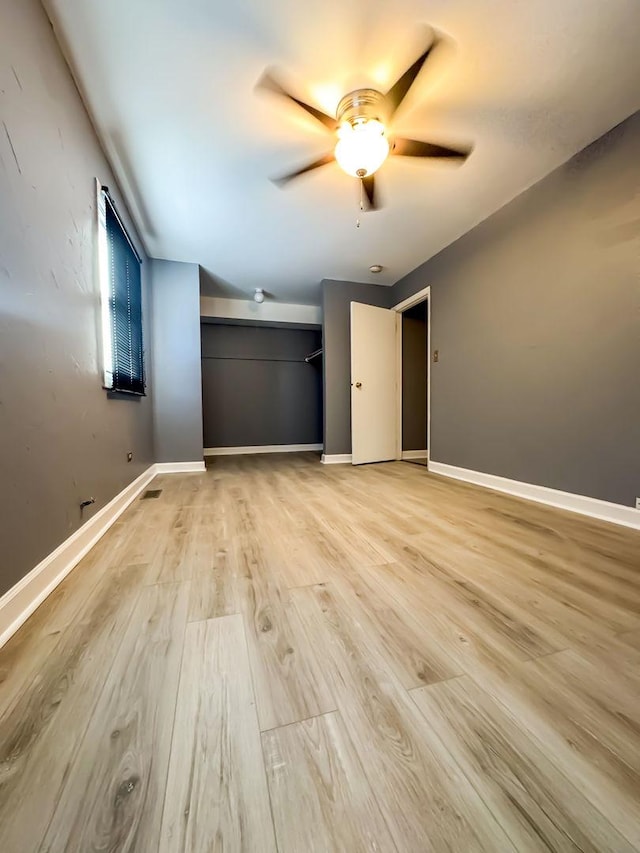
(315, 164)
(415, 148)
(398, 91)
(271, 85)
(369, 187)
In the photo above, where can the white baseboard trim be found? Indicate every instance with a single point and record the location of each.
(179, 467)
(415, 454)
(336, 459)
(603, 510)
(19, 602)
(260, 448)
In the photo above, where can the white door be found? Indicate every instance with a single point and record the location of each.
(373, 384)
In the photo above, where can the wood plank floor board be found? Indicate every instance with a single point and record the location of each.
(170, 563)
(631, 638)
(427, 803)
(460, 637)
(321, 553)
(473, 605)
(57, 612)
(490, 612)
(532, 799)
(597, 699)
(216, 796)
(321, 799)
(41, 731)
(148, 532)
(603, 551)
(215, 592)
(289, 682)
(565, 618)
(391, 509)
(296, 552)
(359, 548)
(24, 655)
(331, 540)
(213, 569)
(377, 658)
(296, 559)
(302, 565)
(407, 645)
(614, 658)
(553, 562)
(114, 790)
(187, 490)
(562, 621)
(277, 507)
(407, 491)
(573, 733)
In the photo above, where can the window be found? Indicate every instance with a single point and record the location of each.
(121, 294)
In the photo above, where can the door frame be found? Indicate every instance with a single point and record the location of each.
(420, 296)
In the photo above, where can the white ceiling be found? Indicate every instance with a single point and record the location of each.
(171, 86)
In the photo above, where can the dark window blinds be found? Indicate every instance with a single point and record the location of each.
(125, 305)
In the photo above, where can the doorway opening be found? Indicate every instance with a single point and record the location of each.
(413, 382)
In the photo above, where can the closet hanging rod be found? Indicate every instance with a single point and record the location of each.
(313, 354)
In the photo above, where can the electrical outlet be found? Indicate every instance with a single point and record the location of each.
(637, 503)
(129, 456)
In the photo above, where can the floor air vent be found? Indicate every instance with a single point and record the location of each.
(151, 493)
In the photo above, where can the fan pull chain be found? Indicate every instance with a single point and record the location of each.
(361, 201)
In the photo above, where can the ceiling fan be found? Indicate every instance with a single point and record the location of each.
(362, 125)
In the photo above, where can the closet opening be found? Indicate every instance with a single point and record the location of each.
(261, 387)
(413, 382)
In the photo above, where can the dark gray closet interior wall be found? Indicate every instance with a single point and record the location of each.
(536, 315)
(414, 378)
(177, 400)
(61, 439)
(337, 297)
(257, 389)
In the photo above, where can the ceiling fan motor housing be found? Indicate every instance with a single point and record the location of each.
(362, 146)
(360, 106)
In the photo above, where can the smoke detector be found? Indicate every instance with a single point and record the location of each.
(375, 268)
(259, 295)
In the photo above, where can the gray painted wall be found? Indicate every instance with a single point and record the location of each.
(177, 398)
(256, 387)
(414, 378)
(337, 297)
(536, 314)
(61, 439)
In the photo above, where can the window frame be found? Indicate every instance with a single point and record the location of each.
(108, 319)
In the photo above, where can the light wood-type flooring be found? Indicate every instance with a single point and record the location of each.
(280, 655)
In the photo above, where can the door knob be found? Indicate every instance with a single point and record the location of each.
(358, 384)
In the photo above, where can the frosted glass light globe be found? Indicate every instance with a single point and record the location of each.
(362, 148)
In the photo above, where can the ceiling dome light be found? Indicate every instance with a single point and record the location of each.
(362, 147)
(259, 295)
